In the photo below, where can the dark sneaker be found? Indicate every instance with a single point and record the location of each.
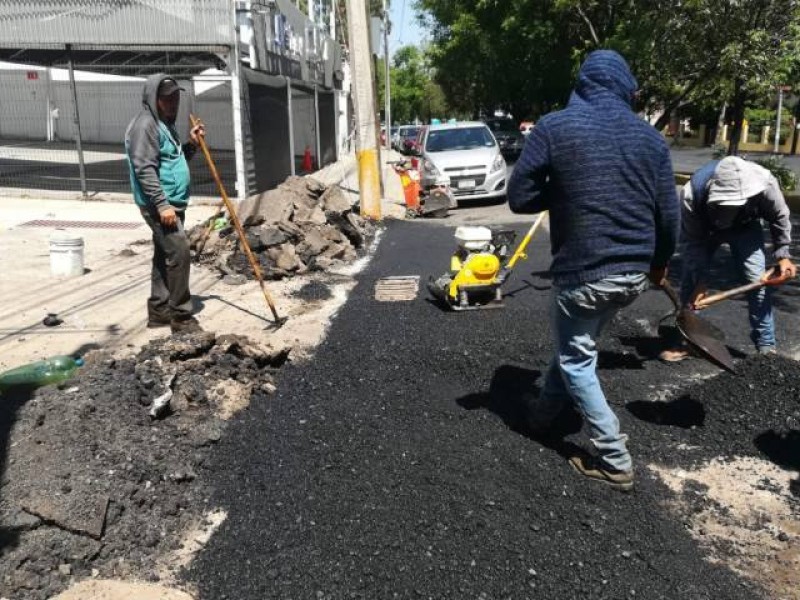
(154, 322)
(188, 325)
(594, 468)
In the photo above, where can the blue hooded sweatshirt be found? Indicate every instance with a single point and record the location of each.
(606, 177)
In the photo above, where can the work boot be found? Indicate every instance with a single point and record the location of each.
(186, 325)
(154, 322)
(594, 468)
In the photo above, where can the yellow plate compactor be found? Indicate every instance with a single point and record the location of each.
(480, 267)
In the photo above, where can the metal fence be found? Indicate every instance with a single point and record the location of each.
(137, 22)
(39, 136)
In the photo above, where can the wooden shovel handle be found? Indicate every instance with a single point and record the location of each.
(766, 280)
(235, 220)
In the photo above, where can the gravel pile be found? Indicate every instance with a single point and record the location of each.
(93, 485)
(298, 227)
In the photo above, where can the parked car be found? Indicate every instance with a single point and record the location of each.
(406, 133)
(468, 155)
(508, 136)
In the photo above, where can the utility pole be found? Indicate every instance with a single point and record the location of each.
(364, 101)
(778, 121)
(78, 133)
(388, 88)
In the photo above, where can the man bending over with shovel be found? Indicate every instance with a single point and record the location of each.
(724, 203)
(606, 177)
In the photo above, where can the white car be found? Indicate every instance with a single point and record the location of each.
(468, 155)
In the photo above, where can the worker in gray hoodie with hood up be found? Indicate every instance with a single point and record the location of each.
(159, 174)
(724, 203)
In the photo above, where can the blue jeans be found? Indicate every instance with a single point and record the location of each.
(579, 314)
(747, 248)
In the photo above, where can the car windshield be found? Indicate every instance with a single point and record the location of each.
(463, 138)
(504, 126)
(409, 132)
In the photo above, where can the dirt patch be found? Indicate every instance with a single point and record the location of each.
(118, 590)
(94, 486)
(743, 511)
(314, 291)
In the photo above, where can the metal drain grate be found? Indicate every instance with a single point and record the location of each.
(82, 224)
(397, 289)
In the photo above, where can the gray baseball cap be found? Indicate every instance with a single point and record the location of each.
(168, 87)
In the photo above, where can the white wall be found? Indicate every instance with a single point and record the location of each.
(106, 108)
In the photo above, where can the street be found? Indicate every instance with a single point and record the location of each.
(397, 462)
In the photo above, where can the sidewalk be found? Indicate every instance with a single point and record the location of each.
(106, 307)
(688, 160)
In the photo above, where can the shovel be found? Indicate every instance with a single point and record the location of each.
(699, 333)
(277, 321)
(767, 279)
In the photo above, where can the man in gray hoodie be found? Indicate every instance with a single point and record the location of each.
(724, 203)
(159, 174)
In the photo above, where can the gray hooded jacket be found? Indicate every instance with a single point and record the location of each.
(156, 158)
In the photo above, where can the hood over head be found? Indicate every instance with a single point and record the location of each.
(605, 74)
(150, 92)
(736, 180)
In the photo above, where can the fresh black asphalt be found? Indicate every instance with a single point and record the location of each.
(396, 463)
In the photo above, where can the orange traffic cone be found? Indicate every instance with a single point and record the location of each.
(307, 165)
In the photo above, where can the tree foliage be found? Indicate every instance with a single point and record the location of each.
(414, 93)
(523, 54)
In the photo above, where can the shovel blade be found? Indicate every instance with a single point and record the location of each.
(705, 338)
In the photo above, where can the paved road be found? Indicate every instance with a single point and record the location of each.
(396, 463)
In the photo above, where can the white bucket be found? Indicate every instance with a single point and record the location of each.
(66, 255)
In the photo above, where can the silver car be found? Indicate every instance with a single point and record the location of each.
(468, 155)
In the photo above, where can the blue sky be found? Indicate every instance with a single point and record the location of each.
(405, 30)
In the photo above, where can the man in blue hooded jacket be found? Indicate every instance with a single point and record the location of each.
(159, 174)
(606, 177)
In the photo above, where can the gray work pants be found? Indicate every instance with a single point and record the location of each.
(169, 293)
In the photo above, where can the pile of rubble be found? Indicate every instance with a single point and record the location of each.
(300, 226)
(94, 485)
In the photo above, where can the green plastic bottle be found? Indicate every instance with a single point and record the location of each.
(39, 373)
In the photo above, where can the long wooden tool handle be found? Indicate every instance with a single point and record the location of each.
(520, 252)
(235, 219)
(749, 287)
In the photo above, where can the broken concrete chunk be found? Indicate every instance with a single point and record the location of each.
(314, 186)
(332, 234)
(253, 237)
(276, 207)
(335, 251)
(302, 202)
(312, 245)
(263, 354)
(335, 200)
(81, 515)
(160, 406)
(272, 236)
(188, 345)
(287, 258)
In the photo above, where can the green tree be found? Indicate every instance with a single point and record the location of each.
(414, 93)
(698, 54)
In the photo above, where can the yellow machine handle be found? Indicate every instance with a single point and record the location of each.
(520, 252)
